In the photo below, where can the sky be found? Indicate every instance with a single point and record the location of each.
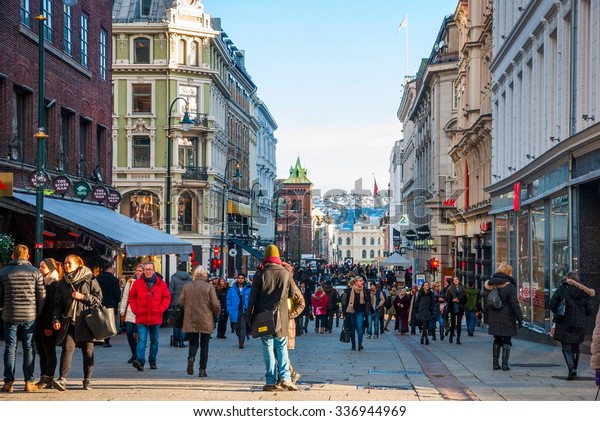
(331, 74)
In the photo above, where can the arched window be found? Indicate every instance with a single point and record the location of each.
(339, 241)
(293, 208)
(184, 212)
(364, 241)
(347, 241)
(378, 253)
(181, 52)
(372, 254)
(379, 241)
(193, 54)
(372, 241)
(364, 254)
(141, 50)
(348, 254)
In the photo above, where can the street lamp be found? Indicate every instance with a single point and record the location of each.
(251, 233)
(41, 137)
(276, 215)
(225, 187)
(186, 124)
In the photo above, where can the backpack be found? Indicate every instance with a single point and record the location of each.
(494, 301)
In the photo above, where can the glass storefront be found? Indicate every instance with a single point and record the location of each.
(535, 298)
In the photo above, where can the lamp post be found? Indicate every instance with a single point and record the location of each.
(186, 124)
(276, 215)
(251, 233)
(41, 137)
(225, 188)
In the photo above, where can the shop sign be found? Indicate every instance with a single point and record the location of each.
(411, 235)
(114, 198)
(517, 196)
(99, 194)
(82, 189)
(38, 179)
(6, 184)
(61, 184)
(485, 226)
(423, 232)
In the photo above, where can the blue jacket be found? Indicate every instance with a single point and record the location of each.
(233, 300)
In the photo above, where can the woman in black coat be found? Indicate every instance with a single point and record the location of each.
(570, 329)
(76, 292)
(424, 304)
(455, 300)
(503, 321)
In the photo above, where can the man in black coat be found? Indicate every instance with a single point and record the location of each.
(111, 293)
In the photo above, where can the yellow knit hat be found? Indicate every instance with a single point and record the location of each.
(271, 251)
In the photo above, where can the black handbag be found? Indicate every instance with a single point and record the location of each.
(345, 335)
(101, 322)
(560, 310)
(178, 317)
(263, 323)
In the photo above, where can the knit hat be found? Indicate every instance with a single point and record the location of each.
(271, 251)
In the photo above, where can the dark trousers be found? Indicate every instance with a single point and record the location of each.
(199, 340)
(329, 324)
(66, 357)
(240, 328)
(222, 325)
(131, 333)
(46, 348)
(455, 324)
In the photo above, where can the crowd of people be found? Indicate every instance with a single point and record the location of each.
(47, 306)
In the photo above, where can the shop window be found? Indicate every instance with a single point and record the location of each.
(141, 152)
(532, 287)
(184, 212)
(141, 98)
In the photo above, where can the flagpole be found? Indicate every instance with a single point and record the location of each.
(406, 39)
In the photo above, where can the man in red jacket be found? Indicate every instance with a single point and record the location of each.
(149, 297)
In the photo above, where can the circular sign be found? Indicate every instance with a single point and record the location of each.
(114, 198)
(424, 232)
(233, 252)
(82, 189)
(38, 179)
(62, 184)
(411, 235)
(99, 194)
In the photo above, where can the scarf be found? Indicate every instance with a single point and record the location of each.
(51, 277)
(272, 259)
(81, 274)
(361, 294)
(150, 281)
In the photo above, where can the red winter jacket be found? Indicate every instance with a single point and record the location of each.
(149, 306)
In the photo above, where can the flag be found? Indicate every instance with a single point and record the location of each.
(403, 23)
(375, 189)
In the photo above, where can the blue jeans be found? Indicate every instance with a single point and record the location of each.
(470, 318)
(373, 323)
(273, 346)
(143, 331)
(10, 350)
(355, 322)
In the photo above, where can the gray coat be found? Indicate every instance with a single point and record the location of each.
(178, 280)
(571, 329)
(503, 322)
(22, 292)
(271, 287)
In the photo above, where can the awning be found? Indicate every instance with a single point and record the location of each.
(135, 238)
(254, 252)
(236, 208)
(396, 259)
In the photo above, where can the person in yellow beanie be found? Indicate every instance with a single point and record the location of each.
(271, 288)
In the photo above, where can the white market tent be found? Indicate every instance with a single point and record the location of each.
(396, 260)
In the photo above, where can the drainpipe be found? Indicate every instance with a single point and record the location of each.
(574, 72)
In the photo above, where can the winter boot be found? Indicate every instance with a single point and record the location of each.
(360, 347)
(451, 336)
(505, 357)
(575, 363)
(496, 356)
(569, 360)
(433, 338)
(190, 365)
(441, 333)
(426, 338)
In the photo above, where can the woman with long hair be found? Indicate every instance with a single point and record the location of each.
(45, 336)
(455, 300)
(127, 314)
(76, 292)
(222, 290)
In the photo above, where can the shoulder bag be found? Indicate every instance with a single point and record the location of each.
(559, 315)
(101, 321)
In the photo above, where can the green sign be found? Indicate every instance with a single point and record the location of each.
(82, 189)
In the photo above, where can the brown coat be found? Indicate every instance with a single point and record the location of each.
(296, 308)
(595, 348)
(200, 307)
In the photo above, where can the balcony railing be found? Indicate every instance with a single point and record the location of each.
(195, 173)
(199, 119)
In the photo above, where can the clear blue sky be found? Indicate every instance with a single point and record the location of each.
(331, 74)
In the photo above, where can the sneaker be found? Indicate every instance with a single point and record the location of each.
(44, 382)
(271, 388)
(285, 385)
(190, 366)
(30, 387)
(295, 377)
(60, 384)
(86, 384)
(8, 387)
(153, 366)
(138, 364)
